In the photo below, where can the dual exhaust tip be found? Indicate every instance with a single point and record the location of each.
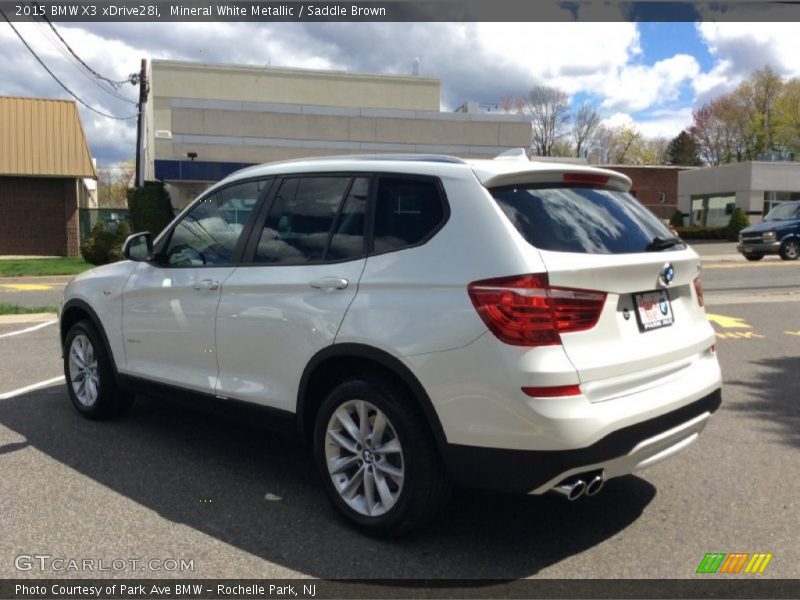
(575, 488)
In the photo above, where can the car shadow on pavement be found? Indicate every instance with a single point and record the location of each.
(260, 492)
(767, 397)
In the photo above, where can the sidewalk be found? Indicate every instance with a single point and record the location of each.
(716, 251)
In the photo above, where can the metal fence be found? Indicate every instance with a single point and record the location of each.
(110, 217)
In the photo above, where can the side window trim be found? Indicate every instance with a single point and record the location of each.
(236, 259)
(371, 209)
(336, 218)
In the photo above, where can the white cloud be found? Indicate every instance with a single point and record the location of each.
(639, 87)
(741, 48)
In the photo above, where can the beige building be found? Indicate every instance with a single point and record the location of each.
(205, 121)
(709, 195)
(46, 175)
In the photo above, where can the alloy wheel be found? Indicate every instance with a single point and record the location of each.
(83, 374)
(364, 458)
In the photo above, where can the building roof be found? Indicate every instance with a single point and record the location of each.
(43, 137)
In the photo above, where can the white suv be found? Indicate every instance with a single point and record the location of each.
(420, 320)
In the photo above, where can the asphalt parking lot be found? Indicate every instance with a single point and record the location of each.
(171, 483)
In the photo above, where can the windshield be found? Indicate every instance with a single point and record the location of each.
(782, 212)
(589, 221)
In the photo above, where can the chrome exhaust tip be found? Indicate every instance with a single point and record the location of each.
(595, 485)
(572, 490)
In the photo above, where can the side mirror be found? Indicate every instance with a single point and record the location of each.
(138, 247)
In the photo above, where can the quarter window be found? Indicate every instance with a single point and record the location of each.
(407, 211)
(209, 232)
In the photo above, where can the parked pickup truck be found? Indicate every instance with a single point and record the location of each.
(778, 233)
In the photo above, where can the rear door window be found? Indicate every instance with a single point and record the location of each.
(583, 220)
(306, 213)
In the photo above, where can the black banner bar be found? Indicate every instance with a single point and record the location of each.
(400, 10)
(253, 589)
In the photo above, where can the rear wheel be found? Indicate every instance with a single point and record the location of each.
(753, 257)
(90, 375)
(377, 457)
(790, 249)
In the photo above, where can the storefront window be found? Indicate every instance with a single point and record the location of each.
(712, 211)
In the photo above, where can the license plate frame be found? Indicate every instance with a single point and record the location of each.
(653, 310)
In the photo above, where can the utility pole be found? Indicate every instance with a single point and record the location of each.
(144, 89)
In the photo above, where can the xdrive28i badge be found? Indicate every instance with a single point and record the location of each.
(667, 274)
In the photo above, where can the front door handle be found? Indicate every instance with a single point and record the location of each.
(206, 284)
(329, 283)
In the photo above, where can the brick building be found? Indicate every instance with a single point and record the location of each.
(654, 186)
(44, 159)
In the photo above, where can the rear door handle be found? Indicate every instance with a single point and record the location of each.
(206, 284)
(329, 283)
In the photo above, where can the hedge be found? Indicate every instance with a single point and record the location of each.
(703, 233)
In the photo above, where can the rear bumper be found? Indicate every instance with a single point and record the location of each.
(620, 452)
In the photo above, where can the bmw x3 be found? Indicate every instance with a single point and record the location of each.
(421, 321)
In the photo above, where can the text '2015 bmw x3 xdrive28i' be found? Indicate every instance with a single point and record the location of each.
(503, 324)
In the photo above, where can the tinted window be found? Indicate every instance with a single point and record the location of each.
(406, 212)
(581, 219)
(300, 220)
(348, 234)
(208, 233)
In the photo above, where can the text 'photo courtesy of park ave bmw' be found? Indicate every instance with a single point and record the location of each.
(400, 298)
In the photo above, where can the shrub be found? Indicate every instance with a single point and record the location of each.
(98, 244)
(102, 246)
(150, 207)
(676, 220)
(702, 233)
(737, 222)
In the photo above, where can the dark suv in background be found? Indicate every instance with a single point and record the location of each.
(778, 233)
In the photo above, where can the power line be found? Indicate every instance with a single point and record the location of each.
(108, 89)
(115, 84)
(53, 75)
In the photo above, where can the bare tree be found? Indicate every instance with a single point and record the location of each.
(584, 126)
(112, 184)
(548, 109)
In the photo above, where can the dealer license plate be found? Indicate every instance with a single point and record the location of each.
(653, 310)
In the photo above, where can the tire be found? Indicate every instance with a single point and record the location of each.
(408, 482)
(753, 257)
(90, 375)
(790, 249)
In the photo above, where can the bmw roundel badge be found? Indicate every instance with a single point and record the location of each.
(667, 274)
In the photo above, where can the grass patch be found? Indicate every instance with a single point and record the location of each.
(16, 309)
(32, 267)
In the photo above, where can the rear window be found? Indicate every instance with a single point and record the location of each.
(585, 220)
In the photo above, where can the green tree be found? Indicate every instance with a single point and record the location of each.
(682, 150)
(736, 223)
(150, 208)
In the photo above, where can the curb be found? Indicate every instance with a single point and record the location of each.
(29, 318)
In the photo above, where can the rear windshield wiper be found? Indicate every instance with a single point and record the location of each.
(659, 244)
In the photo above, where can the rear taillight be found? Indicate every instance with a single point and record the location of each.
(698, 288)
(525, 311)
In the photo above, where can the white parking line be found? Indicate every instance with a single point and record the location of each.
(30, 388)
(34, 328)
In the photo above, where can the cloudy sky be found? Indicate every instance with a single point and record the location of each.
(651, 74)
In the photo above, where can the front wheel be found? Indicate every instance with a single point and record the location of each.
(90, 375)
(790, 249)
(377, 457)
